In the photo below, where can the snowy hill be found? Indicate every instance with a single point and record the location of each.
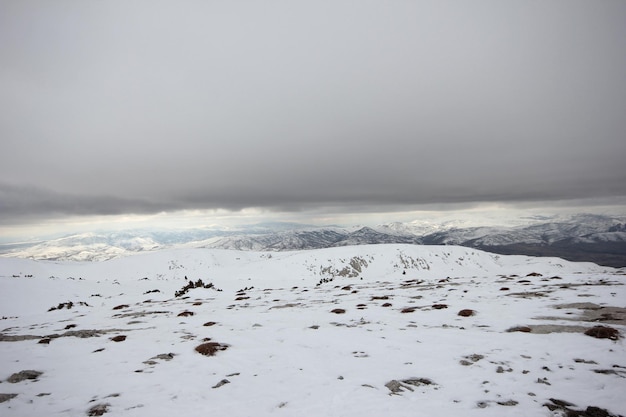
(349, 331)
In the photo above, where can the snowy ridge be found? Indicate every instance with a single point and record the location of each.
(349, 331)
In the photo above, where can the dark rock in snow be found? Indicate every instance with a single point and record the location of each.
(98, 409)
(23, 375)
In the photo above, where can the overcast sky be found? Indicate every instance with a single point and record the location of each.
(139, 107)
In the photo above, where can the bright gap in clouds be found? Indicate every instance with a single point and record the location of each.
(493, 214)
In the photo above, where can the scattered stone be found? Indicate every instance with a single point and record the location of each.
(98, 409)
(221, 383)
(24, 375)
(603, 332)
(119, 338)
(338, 311)
(210, 348)
(543, 381)
(504, 289)
(45, 341)
(6, 397)
(387, 305)
(69, 326)
(185, 314)
(440, 306)
(121, 306)
(209, 323)
(408, 310)
(314, 327)
(482, 404)
(466, 312)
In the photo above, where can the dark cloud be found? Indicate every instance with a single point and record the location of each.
(116, 107)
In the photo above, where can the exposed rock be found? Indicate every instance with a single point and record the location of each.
(400, 386)
(338, 311)
(98, 409)
(164, 356)
(508, 403)
(119, 338)
(23, 375)
(564, 408)
(222, 382)
(6, 397)
(440, 306)
(17, 338)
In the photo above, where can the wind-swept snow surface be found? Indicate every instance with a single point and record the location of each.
(399, 330)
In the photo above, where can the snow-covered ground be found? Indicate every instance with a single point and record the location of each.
(352, 331)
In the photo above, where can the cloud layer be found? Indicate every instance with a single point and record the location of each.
(116, 107)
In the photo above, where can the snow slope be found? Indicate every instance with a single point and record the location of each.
(399, 348)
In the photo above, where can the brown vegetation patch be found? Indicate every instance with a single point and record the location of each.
(119, 338)
(603, 332)
(466, 312)
(524, 329)
(210, 348)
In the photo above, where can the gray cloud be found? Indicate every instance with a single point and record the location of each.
(111, 107)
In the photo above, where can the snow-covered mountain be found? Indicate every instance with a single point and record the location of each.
(594, 238)
(350, 331)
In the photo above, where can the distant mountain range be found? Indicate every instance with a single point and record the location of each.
(583, 237)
